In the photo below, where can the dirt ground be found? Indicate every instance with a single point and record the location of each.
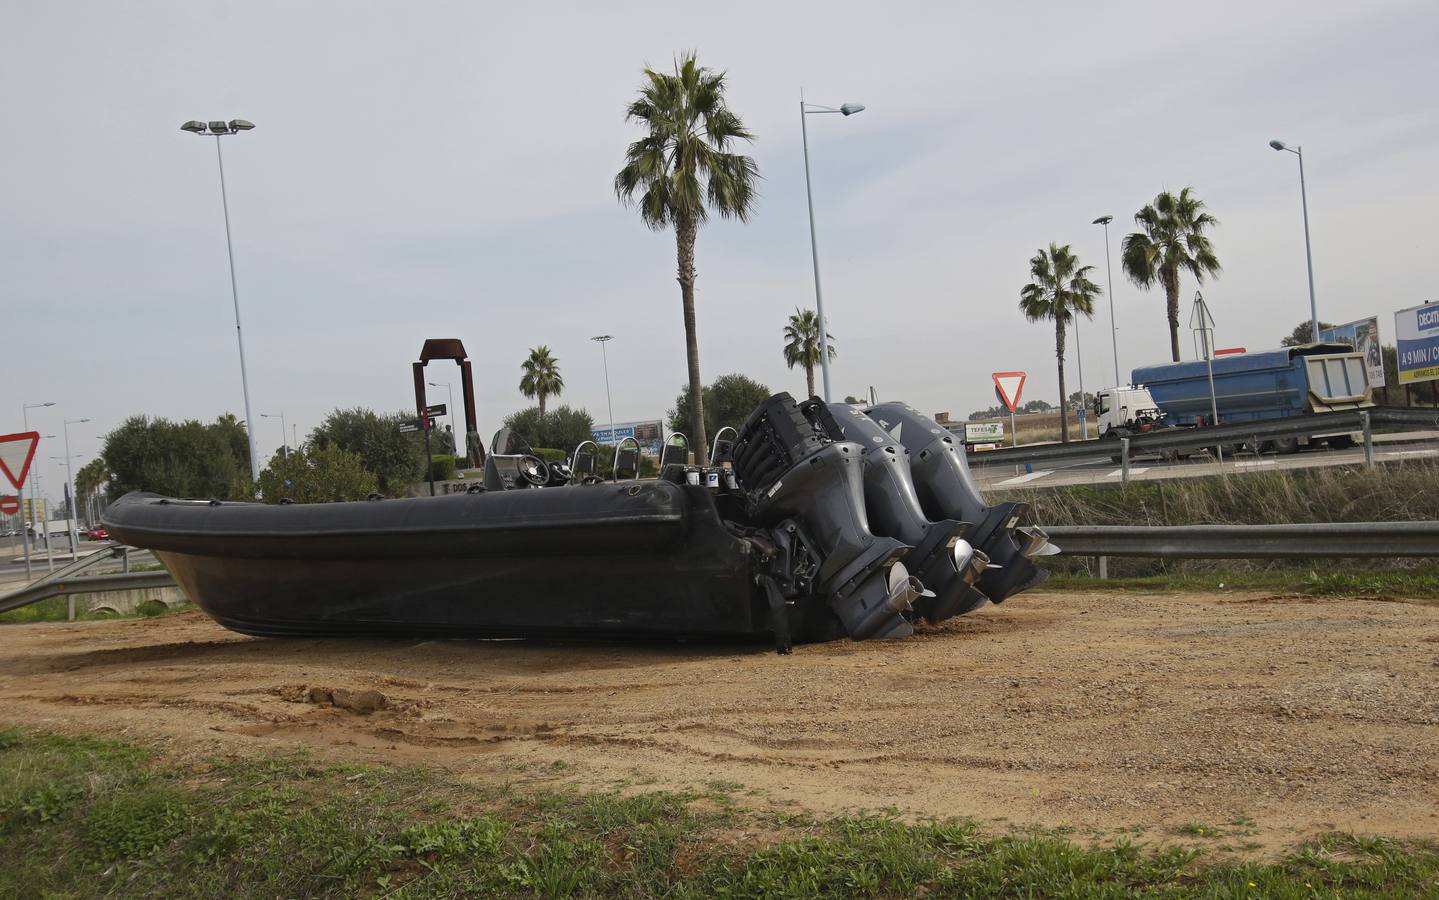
(1289, 716)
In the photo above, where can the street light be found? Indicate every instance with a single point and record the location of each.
(449, 410)
(1308, 255)
(605, 339)
(219, 129)
(30, 491)
(70, 486)
(284, 432)
(1109, 270)
(811, 109)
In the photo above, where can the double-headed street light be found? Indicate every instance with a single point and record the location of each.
(70, 485)
(219, 130)
(30, 491)
(605, 339)
(1109, 270)
(1308, 255)
(811, 109)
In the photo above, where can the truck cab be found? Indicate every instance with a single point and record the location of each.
(1121, 411)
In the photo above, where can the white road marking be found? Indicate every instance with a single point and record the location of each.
(1031, 476)
(1407, 453)
(1132, 471)
(1254, 462)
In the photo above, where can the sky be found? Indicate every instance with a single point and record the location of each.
(439, 169)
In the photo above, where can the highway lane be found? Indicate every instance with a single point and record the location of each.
(1101, 470)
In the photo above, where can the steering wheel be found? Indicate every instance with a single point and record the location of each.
(533, 471)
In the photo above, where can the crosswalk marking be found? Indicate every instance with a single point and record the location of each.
(1029, 476)
(1254, 462)
(1133, 470)
(1408, 453)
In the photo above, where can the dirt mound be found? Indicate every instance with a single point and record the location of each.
(1098, 711)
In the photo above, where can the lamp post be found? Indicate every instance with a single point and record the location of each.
(25, 415)
(1109, 273)
(219, 130)
(811, 109)
(605, 339)
(70, 485)
(449, 410)
(1308, 254)
(284, 431)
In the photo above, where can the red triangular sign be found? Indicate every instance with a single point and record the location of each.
(17, 451)
(1009, 385)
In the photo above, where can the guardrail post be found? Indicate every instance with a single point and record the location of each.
(1124, 460)
(1368, 438)
(125, 560)
(1103, 568)
(70, 607)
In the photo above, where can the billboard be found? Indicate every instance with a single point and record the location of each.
(1416, 336)
(650, 434)
(1363, 336)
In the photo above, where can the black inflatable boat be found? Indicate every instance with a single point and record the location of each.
(819, 522)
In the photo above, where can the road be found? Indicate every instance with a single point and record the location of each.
(1102, 470)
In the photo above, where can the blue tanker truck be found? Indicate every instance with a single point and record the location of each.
(1274, 384)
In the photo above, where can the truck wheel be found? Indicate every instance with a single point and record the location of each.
(1341, 442)
(1284, 446)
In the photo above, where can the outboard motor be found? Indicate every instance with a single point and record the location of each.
(804, 486)
(946, 563)
(946, 489)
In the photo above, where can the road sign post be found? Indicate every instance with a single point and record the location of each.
(1008, 386)
(17, 451)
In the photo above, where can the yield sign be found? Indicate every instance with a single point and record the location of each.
(16, 453)
(1009, 385)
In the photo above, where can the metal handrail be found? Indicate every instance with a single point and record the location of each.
(1290, 541)
(1351, 420)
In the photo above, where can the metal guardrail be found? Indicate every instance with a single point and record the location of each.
(85, 584)
(1356, 420)
(1331, 539)
(65, 581)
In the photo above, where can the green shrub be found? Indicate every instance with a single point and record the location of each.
(442, 468)
(550, 454)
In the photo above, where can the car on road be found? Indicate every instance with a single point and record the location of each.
(99, 534)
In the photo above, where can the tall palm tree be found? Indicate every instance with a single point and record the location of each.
(680, 170)
(1172, 242)
(1058, 288)
(802, 344)
(541, 376)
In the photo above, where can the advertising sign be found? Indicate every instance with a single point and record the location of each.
(983, 432)
(649, 434)
(1363, 336)
(1416, 336)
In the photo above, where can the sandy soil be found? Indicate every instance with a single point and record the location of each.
(1098, 711)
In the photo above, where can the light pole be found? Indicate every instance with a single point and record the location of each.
(284, 431)
(219, 130)
(25, 415)
(70, 485)
(1079, 362)
(811, 109)
(1109, 272)
(1308, 254)
(449, 410)
(605, 339)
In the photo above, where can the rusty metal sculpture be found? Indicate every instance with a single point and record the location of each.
(452, 349)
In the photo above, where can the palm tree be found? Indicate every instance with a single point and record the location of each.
(802, 344)
(681, 169)
(1172, 242)
(541, 376)
(1058, 288)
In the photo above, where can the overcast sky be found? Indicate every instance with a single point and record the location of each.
(444, 170)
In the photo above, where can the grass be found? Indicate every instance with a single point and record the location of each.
(83, 816)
